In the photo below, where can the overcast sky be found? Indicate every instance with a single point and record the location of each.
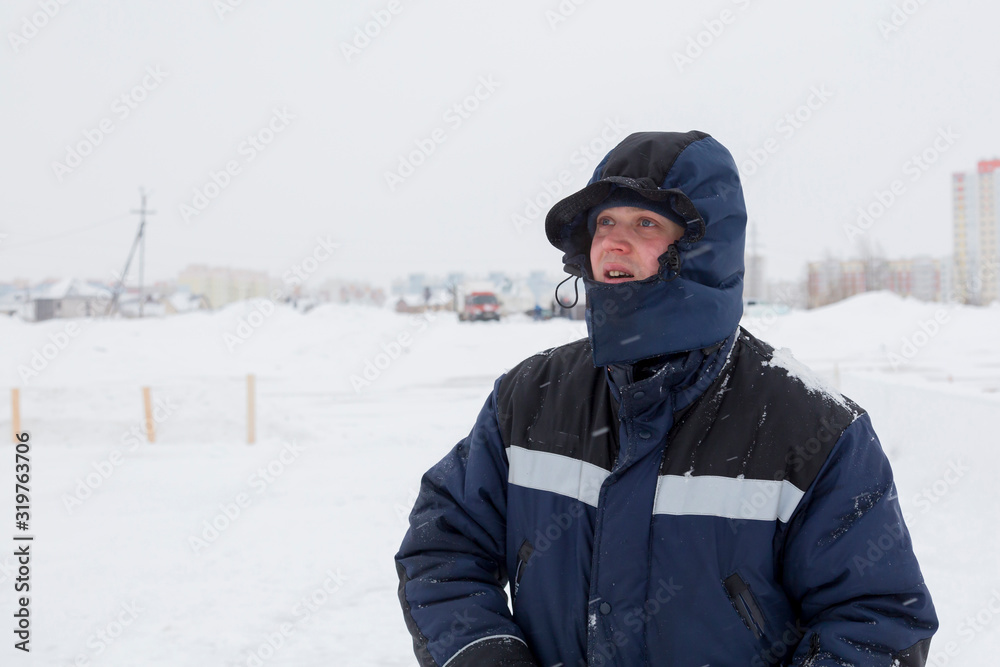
(183, 87)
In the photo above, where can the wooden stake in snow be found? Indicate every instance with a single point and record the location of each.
(251, 409)
(15, 412)
(148, 401)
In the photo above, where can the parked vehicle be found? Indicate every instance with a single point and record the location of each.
(480, 306)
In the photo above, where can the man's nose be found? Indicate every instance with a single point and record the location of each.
(615, 239)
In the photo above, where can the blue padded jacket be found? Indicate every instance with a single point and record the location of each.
(756, 525)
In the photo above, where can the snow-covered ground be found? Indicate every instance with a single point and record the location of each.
(200, 549)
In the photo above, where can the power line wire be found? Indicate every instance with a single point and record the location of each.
(71, 232)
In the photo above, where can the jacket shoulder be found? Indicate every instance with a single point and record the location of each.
(784, 372)
(557, 401)
(572, 358)
(766, 417)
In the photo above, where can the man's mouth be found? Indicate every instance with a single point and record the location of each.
(612, 274)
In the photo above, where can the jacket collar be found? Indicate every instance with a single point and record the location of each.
(632, 321)
(685, 376)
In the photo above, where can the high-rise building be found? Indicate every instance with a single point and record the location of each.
(975, 229)
(825, 283)
(920, 277)
(832, 280)
(754, 282)
(222, 285)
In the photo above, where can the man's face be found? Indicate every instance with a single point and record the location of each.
(628, 242)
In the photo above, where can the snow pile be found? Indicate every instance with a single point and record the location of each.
(200, 549)
(915, 342)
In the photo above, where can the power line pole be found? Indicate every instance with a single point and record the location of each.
(142, 243)
(139, 242)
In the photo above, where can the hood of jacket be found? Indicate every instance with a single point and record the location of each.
(696, 298)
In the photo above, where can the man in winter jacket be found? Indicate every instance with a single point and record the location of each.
(669, 491)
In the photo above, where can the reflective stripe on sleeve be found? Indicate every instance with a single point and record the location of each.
(727, 497)
(555, 473)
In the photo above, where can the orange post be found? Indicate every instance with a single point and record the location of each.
(15, 412)
(148, 401)
(251, 409)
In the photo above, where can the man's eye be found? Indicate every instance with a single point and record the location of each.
(605, 222)
(646, 222)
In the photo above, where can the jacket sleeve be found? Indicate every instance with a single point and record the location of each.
(849, 563)
(451, 563)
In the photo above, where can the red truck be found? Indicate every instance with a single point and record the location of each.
(480, 306)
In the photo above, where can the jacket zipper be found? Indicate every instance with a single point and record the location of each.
(523, 556)
(746, 606)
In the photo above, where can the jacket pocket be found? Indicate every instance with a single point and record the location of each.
(746, 606)
(523, 556)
